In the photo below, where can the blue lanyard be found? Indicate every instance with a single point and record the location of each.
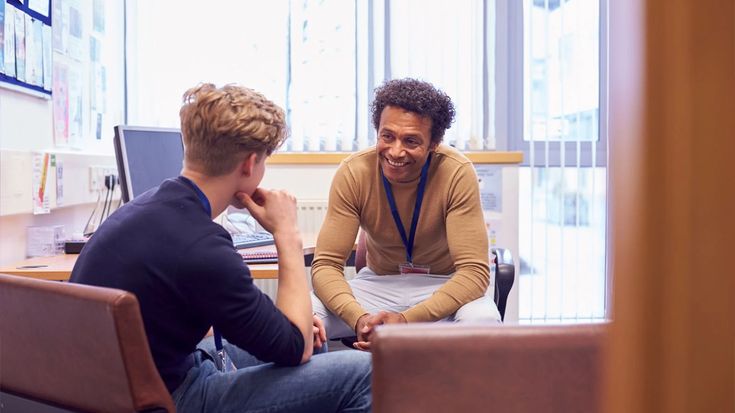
(408, 241)
(202, 198)
(208, 208)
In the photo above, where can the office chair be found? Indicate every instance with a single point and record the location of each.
(76, 347)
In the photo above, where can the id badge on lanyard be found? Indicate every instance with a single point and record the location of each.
(409, 267)
(222, 360)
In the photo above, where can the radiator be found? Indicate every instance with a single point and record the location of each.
(310, 214)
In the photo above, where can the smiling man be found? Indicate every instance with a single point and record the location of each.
(418, 203)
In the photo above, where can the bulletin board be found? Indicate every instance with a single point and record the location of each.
(25, 45)
(77, 63)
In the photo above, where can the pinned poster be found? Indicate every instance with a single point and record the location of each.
(59, 183)
(41, 176)
(34, 51)
(75, 98)
(47, 60)
(76, 46)
(60, 98)
(494, 229)
(9, 46)
(22, 23)
(490, 179)
(20, 46)
(98, 16)
(2, 37)
(39, 6)
(59, 29)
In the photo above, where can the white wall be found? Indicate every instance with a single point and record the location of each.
(26, 126)
(305, 182)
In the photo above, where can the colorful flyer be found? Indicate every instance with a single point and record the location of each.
(41, 175)
(20, 46)
(9, 46)
(2, 37)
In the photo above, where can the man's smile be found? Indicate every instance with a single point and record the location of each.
(395, 164)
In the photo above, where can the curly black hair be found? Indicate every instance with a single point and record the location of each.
(418, 97)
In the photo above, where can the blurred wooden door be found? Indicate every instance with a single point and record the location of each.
(672, 194)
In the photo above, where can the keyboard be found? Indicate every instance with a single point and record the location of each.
(254, 239)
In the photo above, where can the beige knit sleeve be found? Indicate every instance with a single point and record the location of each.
(333, 247)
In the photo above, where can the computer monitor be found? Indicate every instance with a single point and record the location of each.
(145, 157)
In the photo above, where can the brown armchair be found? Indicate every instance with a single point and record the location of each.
(76, 347)
(462, 368)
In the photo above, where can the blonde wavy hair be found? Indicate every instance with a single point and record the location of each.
(221, 126)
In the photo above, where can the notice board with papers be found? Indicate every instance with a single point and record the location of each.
(25, 45)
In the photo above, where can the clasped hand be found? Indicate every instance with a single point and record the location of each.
(320, 334)
(366, 327)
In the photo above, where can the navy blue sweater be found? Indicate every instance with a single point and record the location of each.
(187, 276)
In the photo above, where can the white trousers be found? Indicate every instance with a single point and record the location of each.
(396, 293)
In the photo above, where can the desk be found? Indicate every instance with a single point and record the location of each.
(58, 267)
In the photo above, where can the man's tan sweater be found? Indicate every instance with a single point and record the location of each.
(450, 235)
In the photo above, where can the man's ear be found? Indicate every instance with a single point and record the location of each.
(433, 145)
(248, 163)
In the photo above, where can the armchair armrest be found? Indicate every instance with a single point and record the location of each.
(505, 274)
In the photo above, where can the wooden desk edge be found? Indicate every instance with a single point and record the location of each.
(50, 275)
(257, 271)
(59, 267)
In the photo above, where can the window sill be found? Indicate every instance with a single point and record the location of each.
(334, 158)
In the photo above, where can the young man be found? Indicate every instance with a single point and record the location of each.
(418, 203)
(164, 247)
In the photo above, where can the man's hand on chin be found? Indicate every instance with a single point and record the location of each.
(366, 327)
(235, 201)
(275, 210)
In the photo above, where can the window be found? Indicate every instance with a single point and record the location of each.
(563, 182)
(319, 60)
(444, 43)
(174, 44)
(322, 73)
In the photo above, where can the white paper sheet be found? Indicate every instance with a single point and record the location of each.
(39, 6)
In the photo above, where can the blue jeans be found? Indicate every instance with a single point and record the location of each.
(329, 382)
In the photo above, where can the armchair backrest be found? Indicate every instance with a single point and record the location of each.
(76, 346)
(463, 368)
(361, 252)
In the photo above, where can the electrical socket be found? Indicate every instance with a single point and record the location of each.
(94, 180)
(97, 177)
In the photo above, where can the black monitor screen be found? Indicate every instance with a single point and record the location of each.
(146, 157)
